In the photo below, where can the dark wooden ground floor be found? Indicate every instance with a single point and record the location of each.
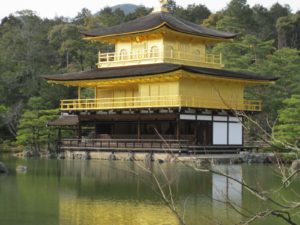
(181, 131)
(147, 146)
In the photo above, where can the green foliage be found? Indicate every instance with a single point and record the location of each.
(288, 29)
(288, 127)
(74, 53)
(32, 130)
(246, 53)
(284, 64)
(3, 109)
(238, 17)
(287, 158)
(194, 13)
(139, 12)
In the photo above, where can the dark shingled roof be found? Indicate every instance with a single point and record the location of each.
(65, 121)
(153, 69)
(156, 20)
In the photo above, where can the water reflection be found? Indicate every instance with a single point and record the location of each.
(113, 193)
(122, 193)
(83, 211)
(227, 192)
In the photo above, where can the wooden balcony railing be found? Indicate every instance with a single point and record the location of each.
(123, 144)
(157, 102)
(146, 56)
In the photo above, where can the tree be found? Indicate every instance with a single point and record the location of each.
(9, 117)
(74, 53)
(239, 10)
(288, 29)
(109, 17)
(32, 130)
(83, 17)
(213, 19)
(24, 54)
(288, 127)
(284, 64)
(139, 12)
(246, 53)
(194, 13)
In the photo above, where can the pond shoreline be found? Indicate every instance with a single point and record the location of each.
(243, 157)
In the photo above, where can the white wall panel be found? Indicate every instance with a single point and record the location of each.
(187, 117)
(219, 133)
(204, 117)
(235, 134)
(220, 118)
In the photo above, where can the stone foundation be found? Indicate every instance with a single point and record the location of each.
(167, 157)
(243, 157)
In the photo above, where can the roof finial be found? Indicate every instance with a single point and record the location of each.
(162, 6)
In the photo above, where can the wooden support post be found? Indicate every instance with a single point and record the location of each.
(79, 131)
(178, 128)
(139, 129)
(79, 92)
(197, 133)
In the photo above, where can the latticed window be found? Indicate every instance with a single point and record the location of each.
(184, 50)
(170, 52)
(197, 55)
(123, 54)
(154, 52)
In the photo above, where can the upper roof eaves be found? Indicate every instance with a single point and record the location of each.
(155, 69)
(154, 21)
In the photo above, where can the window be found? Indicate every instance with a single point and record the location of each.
(154, 52)
(197, 55)
(123, 54)
(170, 52)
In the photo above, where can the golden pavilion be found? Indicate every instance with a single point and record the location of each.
(161, 87)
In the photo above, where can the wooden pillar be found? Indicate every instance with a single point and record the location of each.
(95, 93)
(178, 128)
(79, 92)
(197, 133)
(79, 131)
(139, 129)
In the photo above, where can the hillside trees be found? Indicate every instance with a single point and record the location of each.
(239, 17)
(288, 29)
(288, 127)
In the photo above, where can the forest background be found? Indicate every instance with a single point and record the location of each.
(268, 43)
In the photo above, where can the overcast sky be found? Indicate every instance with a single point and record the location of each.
(70, 8)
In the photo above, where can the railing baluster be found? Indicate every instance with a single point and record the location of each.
(114, 58)
(155, 101)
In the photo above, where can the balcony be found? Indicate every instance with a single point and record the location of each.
(145, 56)
(157, 102)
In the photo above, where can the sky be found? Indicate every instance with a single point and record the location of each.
(70, 8)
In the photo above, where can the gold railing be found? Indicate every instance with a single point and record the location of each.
(147, 56)
(157, 102)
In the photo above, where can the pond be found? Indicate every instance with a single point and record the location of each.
(71, 192)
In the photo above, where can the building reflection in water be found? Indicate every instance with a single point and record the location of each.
(108, 193)
(75, 211)
(226, 192)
